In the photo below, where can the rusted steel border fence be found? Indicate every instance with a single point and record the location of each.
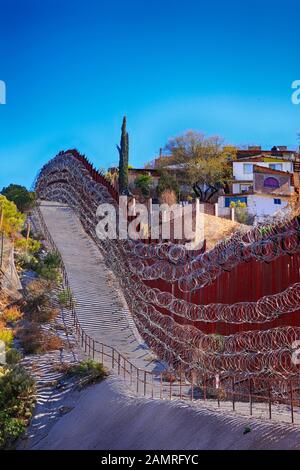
(165, 385)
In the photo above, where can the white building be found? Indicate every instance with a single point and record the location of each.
(264, 183)
(243, 170)
(259, 205)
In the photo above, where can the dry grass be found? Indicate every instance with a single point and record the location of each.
(39, 287)
(217, 228)
(168, 376)
(46, 315)
(11, 315)
(36, 341)
(168, 197)
(4, 300)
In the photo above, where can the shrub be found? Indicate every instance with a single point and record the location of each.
(48, 268)
(167, 181)
(143, 183)
(49, 273)
(39, 286)
(26, 261)
(38, 305)
(52, 260)
(10, 429)
(30, 338)
(43, 315)
(11, 315)
(36, 341)
(88, 371)
(241, 213)
(6, 335)
(17, 397)
(265, 230)
(168, 376)
(13, 356)
(66, 298)
(51, 342)
(168, 197)
(32, 246)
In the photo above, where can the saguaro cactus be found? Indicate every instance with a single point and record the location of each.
(123, 149)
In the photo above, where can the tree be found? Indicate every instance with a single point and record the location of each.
(23, 198)
(123, 149)
(202, 162)
(13, 220)
(166, 182)
(144, 183)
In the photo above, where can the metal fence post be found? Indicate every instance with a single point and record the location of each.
(250, 397)
(270, 402)
(180, 383)
(161, 386)
(292, 404)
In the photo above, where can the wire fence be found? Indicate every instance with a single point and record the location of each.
(239, 397)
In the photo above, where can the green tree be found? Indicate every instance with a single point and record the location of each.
(123, 149)
(167, 181)
(202, 162)
(23, 198)
(143, 183)
(13, 220)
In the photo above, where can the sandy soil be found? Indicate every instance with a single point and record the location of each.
(217, 228)
(105, 417)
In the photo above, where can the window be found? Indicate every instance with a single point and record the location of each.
(275, 166)
(244, 188)
(228, 200)
(277, 201)
(271, 182)
(248, 168)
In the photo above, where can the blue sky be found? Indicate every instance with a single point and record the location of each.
(73, 68)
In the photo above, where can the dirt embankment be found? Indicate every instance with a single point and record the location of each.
(218, 228)
(105, 417)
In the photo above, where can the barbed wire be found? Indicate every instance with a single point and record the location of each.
(257, 353)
